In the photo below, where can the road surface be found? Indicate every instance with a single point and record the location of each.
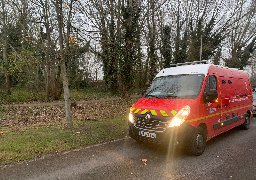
(231, 155)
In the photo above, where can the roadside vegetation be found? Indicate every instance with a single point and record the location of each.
(35, 141)
(25, 96)
(28, 132)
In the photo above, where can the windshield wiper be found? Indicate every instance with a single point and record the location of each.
(168, 95)
(152, 96)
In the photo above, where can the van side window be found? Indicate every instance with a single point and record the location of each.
(211, 83)
(210, 91)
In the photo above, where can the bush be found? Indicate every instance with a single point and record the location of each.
(21, 95)
(2, 96)
(25, 96)
(2, 110)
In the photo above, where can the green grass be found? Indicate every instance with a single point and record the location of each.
(35, 142)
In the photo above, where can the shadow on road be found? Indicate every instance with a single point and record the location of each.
(223, 136)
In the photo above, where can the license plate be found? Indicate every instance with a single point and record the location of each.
(147, 134)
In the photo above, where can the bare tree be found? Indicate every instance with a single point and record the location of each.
(63, 53)
(4, 40)
(152, 54)
(242, 35)
(52, 79)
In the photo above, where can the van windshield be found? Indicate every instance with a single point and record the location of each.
(185, 86)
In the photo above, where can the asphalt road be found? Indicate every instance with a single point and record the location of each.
(231, 155)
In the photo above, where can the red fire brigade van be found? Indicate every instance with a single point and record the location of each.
(190, 103)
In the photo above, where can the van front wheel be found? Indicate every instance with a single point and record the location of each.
(246, 123)
(198, 142)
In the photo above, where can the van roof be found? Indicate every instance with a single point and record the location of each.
(185, 69)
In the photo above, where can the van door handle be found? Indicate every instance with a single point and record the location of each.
(218, 106)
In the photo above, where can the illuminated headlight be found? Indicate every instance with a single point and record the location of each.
(131, 119)
(180, 117)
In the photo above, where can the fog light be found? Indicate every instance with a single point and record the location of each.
(131, 119)
(176, 122)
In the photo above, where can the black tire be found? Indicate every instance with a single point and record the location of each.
(198, 142)
(246, 124)
(131, 134)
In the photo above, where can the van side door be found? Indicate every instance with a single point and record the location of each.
(227, 94)
(212, 105)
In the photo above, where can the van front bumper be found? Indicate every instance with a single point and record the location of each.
(171, 135)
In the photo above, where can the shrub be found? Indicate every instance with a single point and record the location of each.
(2, 110)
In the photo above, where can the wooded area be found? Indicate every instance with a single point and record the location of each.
(53, 46)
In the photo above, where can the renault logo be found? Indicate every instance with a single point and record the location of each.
(147, 117)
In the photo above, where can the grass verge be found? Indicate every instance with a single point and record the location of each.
(38, 141)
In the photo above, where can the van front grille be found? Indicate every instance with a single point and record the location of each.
(151, 125)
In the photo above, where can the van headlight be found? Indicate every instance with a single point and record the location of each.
(131, 119)
(180, 117)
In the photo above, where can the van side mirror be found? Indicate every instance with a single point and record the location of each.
(210, 96)
(143, 92)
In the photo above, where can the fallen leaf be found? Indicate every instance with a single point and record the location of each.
(78, 132)
(2, 132)
(144, 160)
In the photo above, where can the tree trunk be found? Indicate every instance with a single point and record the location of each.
(66, 95)
(47, 84)
(58, 6)
(4, 37)
(8, 83)
(48, 49)
(7, 76)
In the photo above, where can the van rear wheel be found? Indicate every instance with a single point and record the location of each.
(198, 142)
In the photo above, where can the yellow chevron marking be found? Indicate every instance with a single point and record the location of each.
(163, 113)
(137, 110)
(153, 112)
(144, 112)
(174, 112)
